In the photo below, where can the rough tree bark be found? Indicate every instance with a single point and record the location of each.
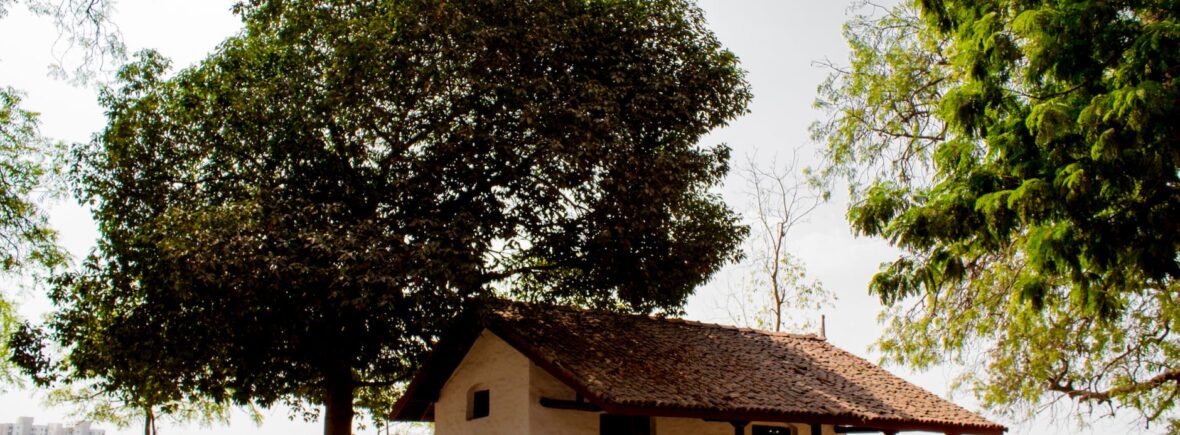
(339, 392)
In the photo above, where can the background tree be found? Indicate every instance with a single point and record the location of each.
(299, 215)
(132, 385)
(778, 293)
(88, 40)
(30, 172)
(28, 247)
(1023, 157)
(94, 404)
(31, 162)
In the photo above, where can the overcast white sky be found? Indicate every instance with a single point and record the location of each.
(777, 41)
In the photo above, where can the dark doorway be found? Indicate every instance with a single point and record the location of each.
(771, 430)
(623, 425)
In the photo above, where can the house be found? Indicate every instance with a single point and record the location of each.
(532, 370)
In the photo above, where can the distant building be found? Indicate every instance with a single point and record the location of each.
(25, 426)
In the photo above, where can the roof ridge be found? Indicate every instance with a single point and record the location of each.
(667, 319)
(805, 336)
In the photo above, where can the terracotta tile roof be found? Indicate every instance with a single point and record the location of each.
(639, 364)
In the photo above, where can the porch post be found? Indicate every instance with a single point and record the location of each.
(739, 427)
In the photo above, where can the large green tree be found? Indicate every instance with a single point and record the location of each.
(1024, 157)
(297, 217)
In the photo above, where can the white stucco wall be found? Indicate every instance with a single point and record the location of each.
(516, 386)
(671, 426)
(550, 421)
(494, 365)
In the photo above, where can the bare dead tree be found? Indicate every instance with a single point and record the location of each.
(780, 199)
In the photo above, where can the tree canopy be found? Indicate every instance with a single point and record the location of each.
(299, 215)
(1024, 157)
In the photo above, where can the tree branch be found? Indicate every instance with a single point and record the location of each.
(1081, 395)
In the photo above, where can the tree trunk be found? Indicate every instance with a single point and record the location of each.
(149, 422)
(338, 395)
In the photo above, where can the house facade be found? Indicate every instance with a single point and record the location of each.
(559, 371)
(524, 398)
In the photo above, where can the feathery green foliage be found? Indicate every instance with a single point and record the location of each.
(1024, 156)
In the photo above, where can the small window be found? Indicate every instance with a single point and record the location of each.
(772, 430)
(478, 404)
(624, 425)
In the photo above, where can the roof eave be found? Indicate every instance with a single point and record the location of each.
(750, 416)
